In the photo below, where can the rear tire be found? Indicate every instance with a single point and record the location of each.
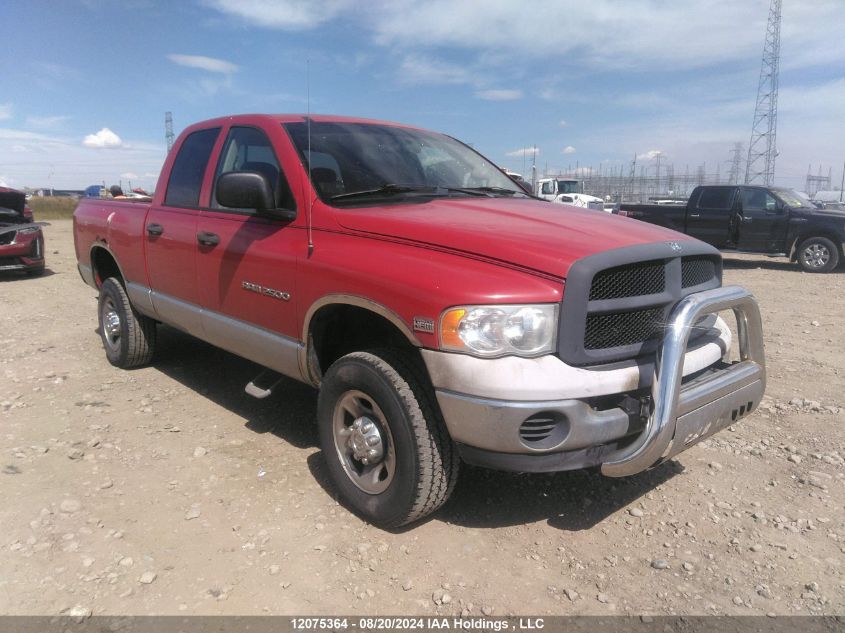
(128, 337)
(818, 255)
(383, 438)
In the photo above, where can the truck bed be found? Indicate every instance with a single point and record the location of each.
(116, 224)
(671, 216)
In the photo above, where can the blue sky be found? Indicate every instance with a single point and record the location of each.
(86, 83)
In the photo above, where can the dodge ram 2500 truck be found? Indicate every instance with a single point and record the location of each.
(444, 315)
(751, 219)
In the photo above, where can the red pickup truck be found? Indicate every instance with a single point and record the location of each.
(444, 314)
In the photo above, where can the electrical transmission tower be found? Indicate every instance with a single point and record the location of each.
(736, 163)
(168, 130)
(762, 150)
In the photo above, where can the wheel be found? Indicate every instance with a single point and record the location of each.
(818, 255)
(383, 437)
(128, 337)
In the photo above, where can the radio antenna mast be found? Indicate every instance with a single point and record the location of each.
(308, 123)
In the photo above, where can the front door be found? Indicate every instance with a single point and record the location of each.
(709, 217)
(247, 262)
(763, 222)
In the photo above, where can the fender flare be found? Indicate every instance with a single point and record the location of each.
(306, 350)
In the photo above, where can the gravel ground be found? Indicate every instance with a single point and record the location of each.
(167, 490)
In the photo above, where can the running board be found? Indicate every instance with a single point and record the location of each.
(262, 385)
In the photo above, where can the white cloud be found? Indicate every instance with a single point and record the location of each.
(5, 110)
(69, 164)
(419, 69)
(676, 35)
(210, 64)
(128, 175)
(650, 154)
(290, 15)
(499, 95)
(46, 122)
(563, 123)
(569, 149)
(105, 138)
(525, 151)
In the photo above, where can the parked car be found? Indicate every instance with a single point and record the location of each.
(21, 239)
(754, 219)
(443, 314)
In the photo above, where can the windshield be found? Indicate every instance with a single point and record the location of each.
(368, 158)
(792, 198)
(567, 186)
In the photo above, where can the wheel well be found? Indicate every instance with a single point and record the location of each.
(105, 266)
(339, 329)
(833, 238)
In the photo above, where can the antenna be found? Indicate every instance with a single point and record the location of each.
(308, 123)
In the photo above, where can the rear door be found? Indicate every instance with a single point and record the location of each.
(247, 262)
(763, 221)
(170, 234)
(709, 215)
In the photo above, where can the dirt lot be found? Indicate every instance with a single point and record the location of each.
(167, 490)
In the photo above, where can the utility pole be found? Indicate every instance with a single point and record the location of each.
(762, 150)
(736, 162)
(168, 130)
(842, 185)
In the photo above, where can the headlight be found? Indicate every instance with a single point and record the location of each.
(29, 229)
(500, 330)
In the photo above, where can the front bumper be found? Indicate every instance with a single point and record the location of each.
(24, 253)
(543, 415)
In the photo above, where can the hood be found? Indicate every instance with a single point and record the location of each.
(531, 234)
(12, 203)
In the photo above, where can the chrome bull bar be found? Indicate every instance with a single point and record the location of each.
(682, 416)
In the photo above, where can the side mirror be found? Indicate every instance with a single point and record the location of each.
(249, 190)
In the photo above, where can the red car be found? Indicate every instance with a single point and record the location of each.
(21, 240)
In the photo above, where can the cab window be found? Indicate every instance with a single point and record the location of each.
(186, 175)
(249, 149)
(758, 200)
(716, 198)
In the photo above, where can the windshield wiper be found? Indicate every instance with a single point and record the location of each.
(389, 189)
(488, 190)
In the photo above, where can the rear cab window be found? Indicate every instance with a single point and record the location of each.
(717, 198)
(188, 171)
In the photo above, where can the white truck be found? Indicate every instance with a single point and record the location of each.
(568, 191)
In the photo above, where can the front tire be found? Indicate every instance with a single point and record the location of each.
(384, 440)
(818, 255)
(128, 337)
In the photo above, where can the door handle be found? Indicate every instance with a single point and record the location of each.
(208, 239)
(155, 229)
(695, 215)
